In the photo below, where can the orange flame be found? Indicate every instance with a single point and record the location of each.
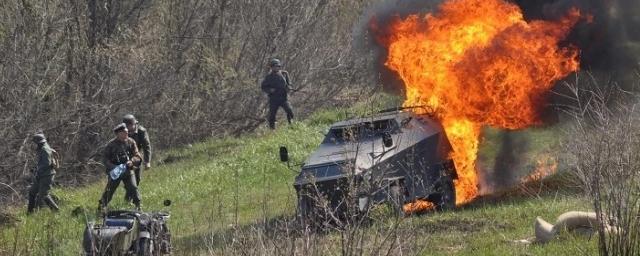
(418, 206)
(478, 63)
(545, 166)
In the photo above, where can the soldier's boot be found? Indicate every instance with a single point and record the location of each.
(102, 209)
(52, 204)
(31, 205)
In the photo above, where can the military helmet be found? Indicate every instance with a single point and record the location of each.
(129, 119)
(120, 127)
(275, 63)
(39, 138)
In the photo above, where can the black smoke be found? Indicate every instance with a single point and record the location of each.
(609, 44)
(506, 160)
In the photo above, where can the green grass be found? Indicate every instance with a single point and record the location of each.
(490, 225)
(224, 185)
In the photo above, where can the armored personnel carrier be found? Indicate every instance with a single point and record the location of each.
(394, 157)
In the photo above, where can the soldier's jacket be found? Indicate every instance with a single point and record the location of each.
(44, 165)
(141, 137)
(119, 152)
(279, 82)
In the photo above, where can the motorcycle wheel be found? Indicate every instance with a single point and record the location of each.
(88, 244)
(145, 247)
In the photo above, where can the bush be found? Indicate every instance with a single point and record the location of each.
(604, 150)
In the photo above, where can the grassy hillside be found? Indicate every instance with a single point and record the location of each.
(232, 196)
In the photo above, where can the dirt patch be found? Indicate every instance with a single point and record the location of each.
(211, 151)
(172, 159)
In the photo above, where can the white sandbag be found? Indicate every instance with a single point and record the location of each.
(544, 230)
(575, 219)
(570, 221)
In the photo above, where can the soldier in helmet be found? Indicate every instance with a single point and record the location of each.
(140, 135)
(277, 85)
(121, 152)
(44, 174)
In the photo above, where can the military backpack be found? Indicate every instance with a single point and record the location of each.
(55, 160)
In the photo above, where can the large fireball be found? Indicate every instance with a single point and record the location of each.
(478, 63)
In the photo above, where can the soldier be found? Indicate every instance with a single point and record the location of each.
(44, 174)
(141, 137)
(277, 85)
(121, 150)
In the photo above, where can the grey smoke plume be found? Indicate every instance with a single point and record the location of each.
(382, 12)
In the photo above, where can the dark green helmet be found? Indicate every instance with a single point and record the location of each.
(129, 119)
(39, 138)
(275, 63)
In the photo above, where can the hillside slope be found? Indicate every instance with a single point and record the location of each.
(231, 196)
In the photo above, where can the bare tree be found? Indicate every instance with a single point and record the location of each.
(187, 69)
(604, 150)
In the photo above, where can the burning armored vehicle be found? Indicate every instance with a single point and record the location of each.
(124, 232)
(394, 157)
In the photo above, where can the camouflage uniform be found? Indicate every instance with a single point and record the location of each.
(277, 85)
(44, 175)
(115, 153)
(141, 137)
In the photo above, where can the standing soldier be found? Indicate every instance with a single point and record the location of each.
(44, 174)
(277, 85)
(141, 137)
(121, 152)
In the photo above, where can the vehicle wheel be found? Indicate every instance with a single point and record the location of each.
(446, 199)
(145, 247)
(305, 212)
(88, 243)
(396, 199)
(165, 240)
